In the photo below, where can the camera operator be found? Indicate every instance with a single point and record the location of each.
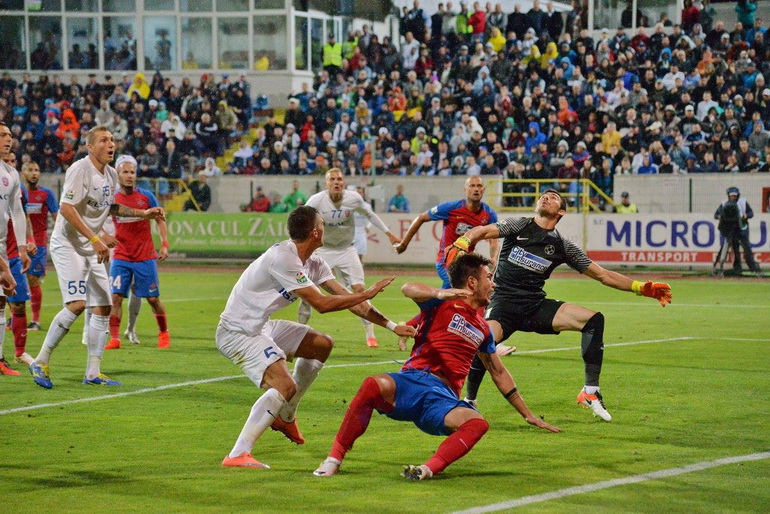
(733, 215)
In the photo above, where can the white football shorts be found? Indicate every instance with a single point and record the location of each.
(345, 264)
(81, 277)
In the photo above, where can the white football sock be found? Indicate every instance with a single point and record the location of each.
(591, 389)
(98, 330)
(369, 326)
(263, 413)
(304, 312)
(305, 373)
(2, 328)
(86, 322)
(59, 327)
(134, 305)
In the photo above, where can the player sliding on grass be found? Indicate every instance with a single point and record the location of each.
(260, 346)
(427, 389)
(532, 249)
(88, 198)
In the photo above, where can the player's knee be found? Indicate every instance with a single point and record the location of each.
(323, 344)
(594, 323)
(18, 308)
(287, 388)
(77, 307)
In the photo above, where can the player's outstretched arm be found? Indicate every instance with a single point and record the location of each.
(420, 292)
(463, 243)
(368, 312)
(507, 387)
(73, 217)
(658, 290)
(413, 228)
(338, 302)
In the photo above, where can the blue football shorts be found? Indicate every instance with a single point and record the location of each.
(22, 288)
(143, 274)
(39, 261)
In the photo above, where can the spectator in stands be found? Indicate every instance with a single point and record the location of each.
(625, 206)
(211, 169)
(260, 202)
(399, 202)
(201, 194)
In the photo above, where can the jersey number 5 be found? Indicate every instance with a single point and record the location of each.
(76, 286)
(269, 352)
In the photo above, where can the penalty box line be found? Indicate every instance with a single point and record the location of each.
(634, 479)
(360, 364)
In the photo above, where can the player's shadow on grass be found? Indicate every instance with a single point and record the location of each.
(80, 478)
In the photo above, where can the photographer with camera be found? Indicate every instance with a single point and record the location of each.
(733, 215)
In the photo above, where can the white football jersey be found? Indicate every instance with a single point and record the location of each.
(338, 218)
(91, 193)
(267, 286)
(10, 204)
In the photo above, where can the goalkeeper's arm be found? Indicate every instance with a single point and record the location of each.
(463, 243)
(658, 290)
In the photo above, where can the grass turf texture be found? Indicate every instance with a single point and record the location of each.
(674, 403)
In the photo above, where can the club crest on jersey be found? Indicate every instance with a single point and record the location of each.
(301, 278)
(462, 228)
(549, 249)
(460, 326)
(528, 261)
(5, 181)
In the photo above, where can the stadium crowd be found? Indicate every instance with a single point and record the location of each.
(467, 91)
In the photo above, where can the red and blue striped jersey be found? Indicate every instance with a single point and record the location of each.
(40, 201)
(459, 219)
(448, 336)
(133, 233)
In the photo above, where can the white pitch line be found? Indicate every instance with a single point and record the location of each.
(160, 388)
(635, 479)
(358, 364)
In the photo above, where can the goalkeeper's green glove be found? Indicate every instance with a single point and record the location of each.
(658, 290)
(458, 248)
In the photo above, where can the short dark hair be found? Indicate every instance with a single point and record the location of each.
(563, 201)
(301, 222)
(465, 266)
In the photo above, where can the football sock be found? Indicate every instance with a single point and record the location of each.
(86, 322)
(591, 389)
(369, 327)
(134, 305)
(357, 417)
(114, 327)
(19, 328)
(36, 300)
(162, 322)
(458, 444)
(262, 415)
(592, 346)
(59, 327)
(305, 372)
(97, 339)
(475, 376)
(2, 327)
(303, 314)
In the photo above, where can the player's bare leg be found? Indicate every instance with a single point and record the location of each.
(35, 302)
(371, 340)
(573, 317)
(116, 314)
(311, 355)
(279, 385)
(377, 392)
(164, 338)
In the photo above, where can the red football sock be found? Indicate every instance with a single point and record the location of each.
(358, 416)
(36, 300)
(162, 323)
(19, 327)
(458, 444)
(114, 327)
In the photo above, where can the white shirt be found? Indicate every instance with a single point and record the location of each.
(10, 204)
(267, 286)
(91, 193)
(338, 218)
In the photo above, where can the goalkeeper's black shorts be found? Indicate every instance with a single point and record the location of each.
(533, 316)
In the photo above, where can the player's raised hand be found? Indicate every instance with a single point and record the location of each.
(379, 286)
(539, 423)
(155, 213)
(400, 247)
(458, 248)
(658, 290)
(454, 294)
(394, 240)
(405, 331)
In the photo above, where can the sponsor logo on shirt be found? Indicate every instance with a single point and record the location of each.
(462, 228)
(528, 261)
(34, 208)
(460, 326)
(301, 278)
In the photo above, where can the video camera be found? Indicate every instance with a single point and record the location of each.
(730, 217)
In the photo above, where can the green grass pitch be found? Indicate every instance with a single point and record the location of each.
(686, 384)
